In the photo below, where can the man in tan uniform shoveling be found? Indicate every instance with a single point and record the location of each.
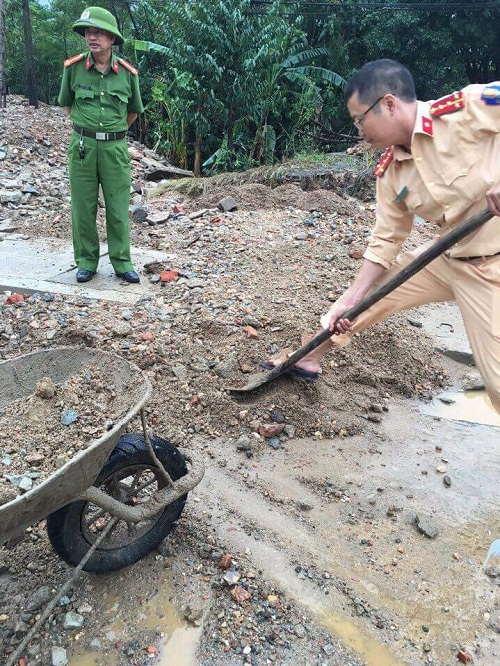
(442, 163)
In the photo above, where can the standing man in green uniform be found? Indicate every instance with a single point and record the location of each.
(101, 94)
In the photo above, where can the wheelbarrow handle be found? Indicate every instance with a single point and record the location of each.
(431, 253)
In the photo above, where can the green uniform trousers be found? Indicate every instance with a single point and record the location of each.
(106, 163)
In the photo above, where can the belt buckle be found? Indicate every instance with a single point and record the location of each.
(101, 136)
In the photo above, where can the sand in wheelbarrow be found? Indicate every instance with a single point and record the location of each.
(42, 431)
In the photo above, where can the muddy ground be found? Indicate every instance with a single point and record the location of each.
(318, 522)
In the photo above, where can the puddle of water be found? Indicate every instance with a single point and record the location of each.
(178, 647)
(493, 555)
(373, 652)
(470, 406)
(88, 659)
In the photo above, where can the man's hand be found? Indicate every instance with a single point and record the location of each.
(493, 199)
(131, 118)
(336, 325)
(368, 275)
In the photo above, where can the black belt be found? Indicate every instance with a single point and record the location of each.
(483, 257)
(100, 136)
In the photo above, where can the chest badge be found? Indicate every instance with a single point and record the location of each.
(491, 95)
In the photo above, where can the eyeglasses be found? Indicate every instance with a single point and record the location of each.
(94, 32)
(358, 123)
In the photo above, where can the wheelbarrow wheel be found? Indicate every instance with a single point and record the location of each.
(131, 476)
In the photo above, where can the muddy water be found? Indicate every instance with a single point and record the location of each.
(403, 460)
(177, 647)
(372, 652)
(407, 459)
(469, 406)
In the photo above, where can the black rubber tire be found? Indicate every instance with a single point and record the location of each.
(71, 534)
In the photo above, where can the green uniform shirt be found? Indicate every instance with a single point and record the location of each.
(100, 102)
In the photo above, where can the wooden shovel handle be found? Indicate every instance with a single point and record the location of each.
(435, 250)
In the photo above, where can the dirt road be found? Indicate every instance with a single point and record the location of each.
(298, 549)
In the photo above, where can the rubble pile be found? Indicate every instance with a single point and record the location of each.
(235, 285)
(233, 288)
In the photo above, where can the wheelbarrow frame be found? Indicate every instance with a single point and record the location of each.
(74, 480)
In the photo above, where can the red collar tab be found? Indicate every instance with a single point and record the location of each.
(115, 66)
(88, 63)
(384, 162)
(449, 104)
(427, 126)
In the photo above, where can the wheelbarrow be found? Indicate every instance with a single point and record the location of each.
(137, 481)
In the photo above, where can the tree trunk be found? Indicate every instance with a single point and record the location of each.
(197, 157)
(230, 139)
(30, 60)
(115, 14)
(3, 81)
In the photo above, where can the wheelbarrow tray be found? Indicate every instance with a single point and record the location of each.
(18, 378)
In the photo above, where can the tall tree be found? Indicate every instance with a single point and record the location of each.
(30, 59)
(3, 79)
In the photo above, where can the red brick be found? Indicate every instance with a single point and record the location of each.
(14, 298)
(251, 332)
(169, 276)
(464, 657)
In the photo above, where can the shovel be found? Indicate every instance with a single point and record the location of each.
(435, 250)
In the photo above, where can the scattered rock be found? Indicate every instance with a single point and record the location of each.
(227, 204)
(464, 657)
(427, 526)
(59, 656)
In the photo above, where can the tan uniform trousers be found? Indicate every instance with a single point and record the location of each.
(475, 286)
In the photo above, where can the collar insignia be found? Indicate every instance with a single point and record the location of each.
(384, 162)
(427, 126)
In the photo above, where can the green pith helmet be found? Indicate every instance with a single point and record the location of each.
(98, 17)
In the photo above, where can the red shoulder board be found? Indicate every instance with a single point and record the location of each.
(71, 61)
(384, 162)
(448, 104)
(128, 66)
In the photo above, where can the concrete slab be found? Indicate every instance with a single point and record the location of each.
(443, 322)
(46, 264)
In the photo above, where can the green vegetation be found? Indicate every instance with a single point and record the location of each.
(234, 84)
(315, 160)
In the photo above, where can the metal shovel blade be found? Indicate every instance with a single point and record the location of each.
(435, 250)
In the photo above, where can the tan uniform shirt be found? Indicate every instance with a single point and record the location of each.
(454, 160)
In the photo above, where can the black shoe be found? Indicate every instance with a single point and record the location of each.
(129, 276)
(83, 275)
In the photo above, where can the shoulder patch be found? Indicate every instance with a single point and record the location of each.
(448, 104)
(491, 95)
(128, 66)
(71, 61)
(384, 162)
